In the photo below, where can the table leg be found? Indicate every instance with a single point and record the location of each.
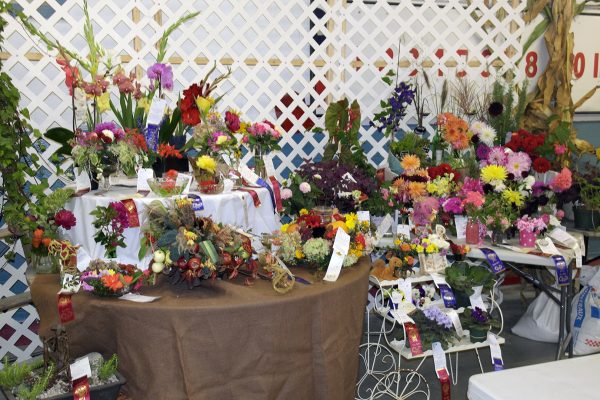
(569, 305)
(562, 323)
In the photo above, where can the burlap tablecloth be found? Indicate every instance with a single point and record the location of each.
(224, 340)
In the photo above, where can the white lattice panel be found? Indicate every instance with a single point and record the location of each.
(291, 56)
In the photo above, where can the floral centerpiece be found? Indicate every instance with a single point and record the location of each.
(111, 278)
(107, 148)
(308, 240)
(529, 228)
(205, 172)
(110, 222)
(432, 250)
(262, 138)
(326, 184)
(191, 249)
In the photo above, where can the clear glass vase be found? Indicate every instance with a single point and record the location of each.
(260, 168)
(44, 264)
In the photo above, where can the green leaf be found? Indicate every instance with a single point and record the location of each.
(535, 35)
(62, 136)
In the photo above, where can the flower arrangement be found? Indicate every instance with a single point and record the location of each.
(191, 249)
(434, 326)
(308, 239)
(110, 222)
(264, 135)
(216, 135)
(326, 183)
(455, 131)
(399, 261)
(46, 217)
(197, 101)
(111, 278)
(478, 322)
(531, 224)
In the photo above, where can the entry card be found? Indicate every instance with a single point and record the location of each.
(385, 225)
(80, 368)
(82, 180)
(460, 221)
(439, 356)
(405, 286)
(363, 216)
(248, 175)
(142, 180)
(156, 112)
(401, 317)
(476, 300)
(456, 322)
(341, 245)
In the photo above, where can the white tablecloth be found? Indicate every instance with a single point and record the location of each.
(575, 378)
(235, 208)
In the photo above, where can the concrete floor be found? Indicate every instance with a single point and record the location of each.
(516, 352)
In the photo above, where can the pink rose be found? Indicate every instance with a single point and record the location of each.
(286, 194)
(560, 148)
(304, 187)
(560, 214)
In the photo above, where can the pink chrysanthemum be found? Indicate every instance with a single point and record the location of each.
(497, 156)
(517, 163)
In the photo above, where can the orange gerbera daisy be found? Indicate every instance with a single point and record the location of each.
(112, 282)
(410, 162)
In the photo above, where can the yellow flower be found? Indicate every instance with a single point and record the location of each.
(304, 211)
(513, 197)
(144, 103)
(397, 242)
(419, 248)
(410, 162)
(299, 254)
(207, 163)
(183, 201)
(103, 102)
(189, 235)
(431, 248)
(243, 127)
(284, 227)
(111, 272)
(491, 173)
(222, 139)
(351, 224)
(203, 104)
(598, 153)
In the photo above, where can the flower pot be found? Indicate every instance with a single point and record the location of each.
(478, 334)
(108, 391)
(586, 219)
(527, 239)
(462, 299)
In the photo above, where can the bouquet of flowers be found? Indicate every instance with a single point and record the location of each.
(432, 250)
(455, 131)
(111, 278)
(108, 148)
(309, 240)
(191, 249)
(110, 222)
(412, 183)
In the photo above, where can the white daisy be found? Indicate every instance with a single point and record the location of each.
(487, 135)
(476, 127)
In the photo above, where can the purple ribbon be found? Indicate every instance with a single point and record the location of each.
(495, 262)
(562, 270)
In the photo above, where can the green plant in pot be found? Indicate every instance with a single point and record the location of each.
(587, 210)
(462, 277)
(478, 322)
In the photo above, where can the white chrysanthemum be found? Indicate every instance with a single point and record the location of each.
(487, 135)
(477, 127)
(109, 134)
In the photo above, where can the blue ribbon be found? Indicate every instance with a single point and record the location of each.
(562, 271)
(152, 136)
(492, 258)
(498, 364)
(197, 204)
(264, 184)
(447, 296)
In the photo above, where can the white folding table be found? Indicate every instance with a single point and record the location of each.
(573, 378)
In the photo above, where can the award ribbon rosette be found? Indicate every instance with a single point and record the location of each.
(414, 339)
(439, 361)
(447, 295)
(65, 307)
(80, 373)
(562, 270)
(81, 388)
(495, 262)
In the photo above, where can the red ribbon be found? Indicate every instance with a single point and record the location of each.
(414, 339)
(254, 195)
(277, 193)
(81, 388)
(445, 383)
(132, 214)
(65, 308)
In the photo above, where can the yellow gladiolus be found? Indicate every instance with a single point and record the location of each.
(203, 104)
(103, 102)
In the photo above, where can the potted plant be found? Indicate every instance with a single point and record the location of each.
(29, 381)
(434, 326)
(478, 322)
(587, 208)
(462, 277)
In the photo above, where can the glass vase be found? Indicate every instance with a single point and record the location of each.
(497, 236)
(260, 168)
(472, 232)
(44, 264)
(109, 166)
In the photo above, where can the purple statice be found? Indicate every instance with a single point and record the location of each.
(163, 73)
(479, 316)
(438, 316)
(483, 151)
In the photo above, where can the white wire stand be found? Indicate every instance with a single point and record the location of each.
(404, 383)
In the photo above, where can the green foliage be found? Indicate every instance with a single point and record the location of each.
(342, 122)
(108, 368)
(431, 332)
(462, 277)
(376, 204)
(468, 322)
(62, 136)
(411, 143)
(12, 375)
(514, 101)
(589, 190)
(38, 387)
(164, 39)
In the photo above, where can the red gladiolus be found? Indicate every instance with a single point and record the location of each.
(541, 165)
(191, 117)
(71, 74)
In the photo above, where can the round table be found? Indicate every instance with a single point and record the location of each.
(236, 208)
(224, 340)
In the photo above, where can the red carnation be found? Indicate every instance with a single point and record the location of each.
(541, 165)
(65, 219)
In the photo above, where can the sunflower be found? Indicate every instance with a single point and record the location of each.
(492, 173)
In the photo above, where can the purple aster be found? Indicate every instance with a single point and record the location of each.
(483, 150)
(497, 156)
(517, 163)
